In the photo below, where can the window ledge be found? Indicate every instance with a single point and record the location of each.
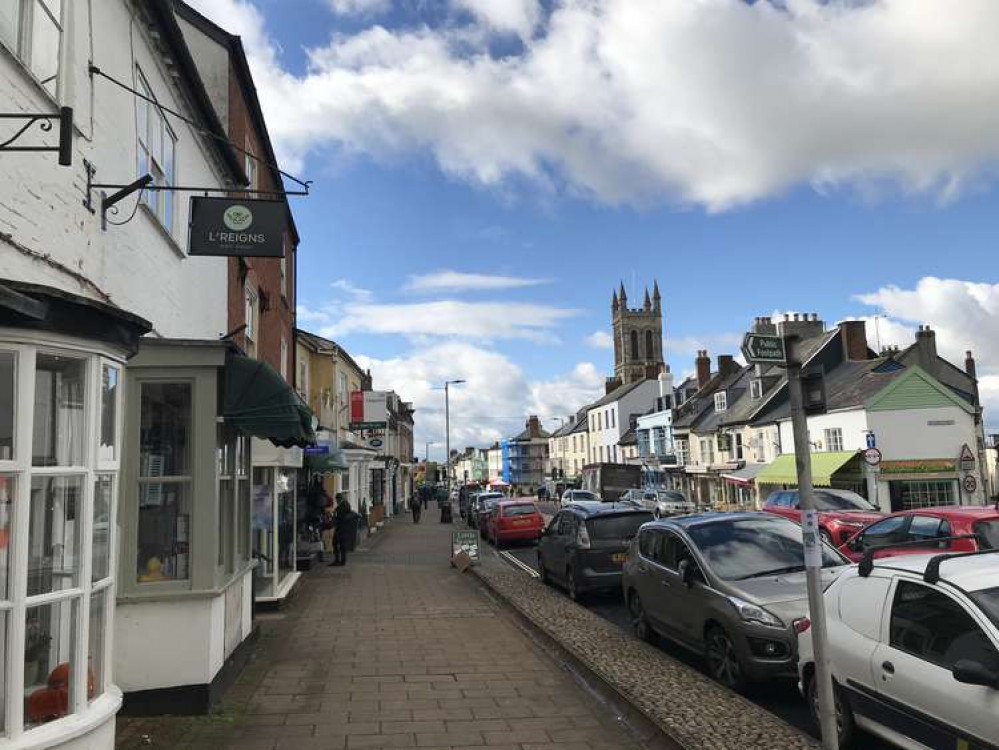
(140, 596)
(145, 209)
(61, 731)
(30, 78)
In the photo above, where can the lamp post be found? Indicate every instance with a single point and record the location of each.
(447, 428)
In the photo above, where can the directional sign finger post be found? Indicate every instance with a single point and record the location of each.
(760, 349)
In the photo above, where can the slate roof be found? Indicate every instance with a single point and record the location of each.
(736, 388)
(616, 394)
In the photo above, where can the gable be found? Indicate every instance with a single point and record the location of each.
(915, 390)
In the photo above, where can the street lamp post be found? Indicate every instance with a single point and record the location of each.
(447, 428)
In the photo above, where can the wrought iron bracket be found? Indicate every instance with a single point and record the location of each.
(45, 123)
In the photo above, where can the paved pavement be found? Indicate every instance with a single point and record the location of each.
(395, 650)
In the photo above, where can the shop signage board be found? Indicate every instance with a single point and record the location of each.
(467, 542)
(316, 450)
(368, 410)
(227, 226)
(760, 349)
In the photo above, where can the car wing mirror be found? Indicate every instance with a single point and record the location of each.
(974, 673)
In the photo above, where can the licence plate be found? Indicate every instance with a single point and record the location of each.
(521, 522)
(618, 557)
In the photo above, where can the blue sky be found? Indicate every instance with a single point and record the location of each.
(482, 185)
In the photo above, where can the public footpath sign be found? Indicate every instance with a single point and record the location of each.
(467, 542)
(760, 349)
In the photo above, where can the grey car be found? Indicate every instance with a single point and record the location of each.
(729, 586)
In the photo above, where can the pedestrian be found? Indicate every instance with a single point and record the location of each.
(345, 522)
(417, 507)
(327, 524)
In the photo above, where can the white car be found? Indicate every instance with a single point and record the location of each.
(573, 496)
(914, 648)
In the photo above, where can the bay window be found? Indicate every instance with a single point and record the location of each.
(59, 443)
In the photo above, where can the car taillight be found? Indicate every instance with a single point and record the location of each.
(801, 625)
(582, 537)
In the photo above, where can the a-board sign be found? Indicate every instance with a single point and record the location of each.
(467, 542)
(229, 226)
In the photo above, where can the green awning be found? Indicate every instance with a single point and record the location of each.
(824, 465)
(327, 463)
(259, 402)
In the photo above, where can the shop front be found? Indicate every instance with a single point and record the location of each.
(740, 486)
(836, 469)
(275, 519)
(925, 483)
(62, 364)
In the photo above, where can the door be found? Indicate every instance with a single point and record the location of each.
(548, 544)
(927, 632)
(686, 607)
(881, 534)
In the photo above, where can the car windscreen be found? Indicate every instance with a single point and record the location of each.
(526, 509)
(619, 526)
(988, 601)
(749, 547)
(988, 532)
(841, 501)
(583, 495)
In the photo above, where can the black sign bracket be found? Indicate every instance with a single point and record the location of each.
(45, 122)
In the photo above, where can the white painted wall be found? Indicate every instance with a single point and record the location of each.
(164, 644)
(909, 434)
(637, 401)
(853, 423)
(139, 265)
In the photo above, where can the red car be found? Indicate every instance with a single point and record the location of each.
(841, 513)
(926, 525)
(514, 520)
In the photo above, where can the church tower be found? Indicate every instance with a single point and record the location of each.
(638, 336)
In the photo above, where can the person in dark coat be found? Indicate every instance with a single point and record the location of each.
(416, 506)
(345, 529)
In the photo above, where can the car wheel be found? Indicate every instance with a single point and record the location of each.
(844, 714)
(639, 620)
(723, 661)
(826, 537)
(572, 585)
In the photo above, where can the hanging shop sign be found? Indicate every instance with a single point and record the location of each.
(368, 410)
(228, 226)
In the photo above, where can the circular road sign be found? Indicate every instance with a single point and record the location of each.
(872, 456)
(970, 483)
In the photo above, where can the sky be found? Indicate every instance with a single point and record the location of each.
(486, 172)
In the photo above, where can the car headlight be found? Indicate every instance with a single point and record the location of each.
(753, 613)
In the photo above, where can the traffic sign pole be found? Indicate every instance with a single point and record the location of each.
(813, 552)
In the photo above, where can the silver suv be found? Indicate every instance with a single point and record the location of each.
(729, 586)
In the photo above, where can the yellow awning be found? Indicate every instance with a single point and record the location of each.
(824, 465)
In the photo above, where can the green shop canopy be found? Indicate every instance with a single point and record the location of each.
(824, 465)
(260, 403)
(326, 463)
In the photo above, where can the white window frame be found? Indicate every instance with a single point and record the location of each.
(833, 439)
(250, 307)
(21, 46)
(284, 357)
(20, 467)
(707, 451)
(721, 401)
(164, 173)
(756, 389)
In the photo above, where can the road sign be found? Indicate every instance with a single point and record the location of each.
(872, 441)
(760, 349)
(872, 456)
(970, 484)
(967, 459)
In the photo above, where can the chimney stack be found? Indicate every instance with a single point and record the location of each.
(533, 426)
(853, 337)
(703, 364)
(803, 325)
(926, 349)
(726, 364)
(611, 384)
(969, 364)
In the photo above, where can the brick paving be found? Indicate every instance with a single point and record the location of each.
(396, 650)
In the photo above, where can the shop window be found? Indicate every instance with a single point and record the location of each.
(110, 389)
(58, 434)
(164, 482)
(54, 537)
(96, 640)
(49, 661)
(156, 151)
(7, 364)
(924, 494)
(103, 527)
(31, 29)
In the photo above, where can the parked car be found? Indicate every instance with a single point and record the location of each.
(928, 525)
(661, 502)
(513, 521)
(914, 651)
(729, 586)
(586, 543)
(475, 504)
(574, 496)
(487, 502)
(842, 513)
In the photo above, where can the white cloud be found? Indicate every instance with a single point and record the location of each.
(964, 315)
(600, 340)
(520, 17)
(495, 400)
(360, 7)
(454, 281)
(483, 321)
(352, 290)
(714, 103)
